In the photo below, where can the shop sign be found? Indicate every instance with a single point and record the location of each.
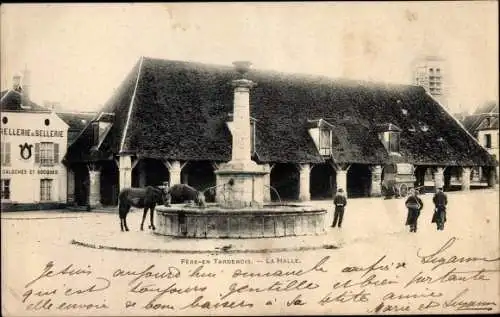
(32, 133)
(29, 172)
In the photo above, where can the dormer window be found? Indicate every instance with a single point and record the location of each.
(325, 141)
(389, 135)
(101, 127)
(488, 122)
(321, 132)
(391, 139)
(95, 133)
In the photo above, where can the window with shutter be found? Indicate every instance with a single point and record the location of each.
(7, 154)
(5, 188)
(56, 153)
(47, 154)
(37, 152)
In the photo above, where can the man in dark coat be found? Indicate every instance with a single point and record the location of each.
(414, 205)
(340, 201)
(440, 201)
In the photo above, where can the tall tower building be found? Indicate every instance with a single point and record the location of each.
(430, 73)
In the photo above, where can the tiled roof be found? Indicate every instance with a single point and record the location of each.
(177, 110)
(12, 100)
(477, 120)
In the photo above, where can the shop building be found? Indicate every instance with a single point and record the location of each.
(33, 144)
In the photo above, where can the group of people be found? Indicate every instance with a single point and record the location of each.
(415, 206)
(413, 203)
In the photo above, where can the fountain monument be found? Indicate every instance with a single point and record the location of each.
(239, 211)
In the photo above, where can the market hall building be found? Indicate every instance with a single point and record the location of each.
(171, 120)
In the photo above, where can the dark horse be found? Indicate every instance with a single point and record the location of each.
(181, 193)
(146, 198)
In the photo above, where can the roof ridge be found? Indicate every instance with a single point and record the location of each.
(300, 75)
(125, 130)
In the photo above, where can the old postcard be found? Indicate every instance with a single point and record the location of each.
(250, 159)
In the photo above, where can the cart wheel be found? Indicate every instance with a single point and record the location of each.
(403, 190)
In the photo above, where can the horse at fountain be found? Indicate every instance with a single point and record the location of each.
(147, 198)
(180, 193)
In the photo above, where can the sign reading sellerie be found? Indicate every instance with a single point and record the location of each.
(33, 133)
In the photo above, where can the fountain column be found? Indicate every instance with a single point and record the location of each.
(242, 178)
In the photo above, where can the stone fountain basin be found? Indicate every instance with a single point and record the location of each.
(215, 222)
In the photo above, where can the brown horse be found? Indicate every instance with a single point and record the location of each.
(146, 198)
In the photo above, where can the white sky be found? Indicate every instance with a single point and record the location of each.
(79, 53)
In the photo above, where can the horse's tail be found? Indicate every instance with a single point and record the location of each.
(122, 204)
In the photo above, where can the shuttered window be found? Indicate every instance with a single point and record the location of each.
(47, 153)
(5, 148)
(5, 188)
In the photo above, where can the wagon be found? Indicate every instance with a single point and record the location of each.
(397, 180)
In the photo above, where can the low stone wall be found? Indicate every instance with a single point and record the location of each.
(213, 222)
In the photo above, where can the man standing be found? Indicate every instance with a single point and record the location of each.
(340, 201)
(414, 205)
(440, 201)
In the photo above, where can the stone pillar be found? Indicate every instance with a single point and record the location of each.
(175, 172)
(305, 173)
(125, 168)
(71, 187)
(439, 177)
(94, 188)
(465, 177)
(376, 186)
(342, 180)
